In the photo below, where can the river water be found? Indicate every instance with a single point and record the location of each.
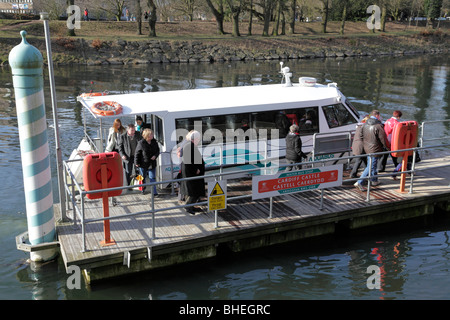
(414, 259)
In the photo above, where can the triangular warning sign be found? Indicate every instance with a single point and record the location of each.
(217, 190)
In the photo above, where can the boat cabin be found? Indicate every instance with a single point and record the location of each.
(239, 125)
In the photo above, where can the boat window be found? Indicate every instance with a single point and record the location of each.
(158, 129)
(338, 115)
(254, 125)
(353, 109)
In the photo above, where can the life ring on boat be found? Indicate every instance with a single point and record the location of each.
(107, 108)
(404, 136)
(93, 94)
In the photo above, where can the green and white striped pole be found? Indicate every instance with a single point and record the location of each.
(27, 69)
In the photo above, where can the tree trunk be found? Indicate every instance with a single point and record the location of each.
(235, 11)
(71, 31)
(383, 18)
(325, 16)
(344, 17)
(139, 17)
(152, 18)
(249, 30)
(267, 13)
(277, 21)
(218, 14)
(293, 11)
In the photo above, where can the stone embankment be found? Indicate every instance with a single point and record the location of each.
(145, 52)
(96, 52)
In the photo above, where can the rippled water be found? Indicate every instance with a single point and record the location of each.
(414, 260)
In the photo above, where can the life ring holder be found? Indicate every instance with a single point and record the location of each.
(107, 108)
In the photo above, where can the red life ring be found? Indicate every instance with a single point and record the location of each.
(404, 136)
(92, 169)
(107, 108)
(93, 94)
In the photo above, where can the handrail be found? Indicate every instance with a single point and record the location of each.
(80, 211)
(422, 131)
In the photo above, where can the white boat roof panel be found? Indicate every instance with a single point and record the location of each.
(161, 102)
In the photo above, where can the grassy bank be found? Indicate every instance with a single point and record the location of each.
(307, 38)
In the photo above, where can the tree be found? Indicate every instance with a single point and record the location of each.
(277, 18)
(113, 7)
(432, 10)
(70, 31)
(325, 11)
(291, 15)
(235, 8)
(218, 14)
(268, 6)
(138, 16)
(152, 18)
(250, 19)
(344, 15)
(186, 7)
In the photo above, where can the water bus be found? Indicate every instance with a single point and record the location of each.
(241, 126)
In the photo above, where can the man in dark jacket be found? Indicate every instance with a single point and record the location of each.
(294, 152)
(127, 143)
(374, 140)
(192, 165)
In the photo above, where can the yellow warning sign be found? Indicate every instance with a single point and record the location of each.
(216, 203)
(217, 195)
(217, 190)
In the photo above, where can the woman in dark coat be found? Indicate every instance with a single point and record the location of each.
(294, 153)
(192, 166)
(147, 150)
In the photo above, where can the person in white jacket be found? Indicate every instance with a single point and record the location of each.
(114, 132)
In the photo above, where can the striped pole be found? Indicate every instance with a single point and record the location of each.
(26, 63)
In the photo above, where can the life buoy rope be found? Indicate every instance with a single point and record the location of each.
(107, 108)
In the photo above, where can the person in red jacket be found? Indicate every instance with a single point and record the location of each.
(388, 129)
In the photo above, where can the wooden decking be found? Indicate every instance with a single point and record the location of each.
(177, 231)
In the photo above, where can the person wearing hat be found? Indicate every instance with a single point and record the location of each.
(192, 166)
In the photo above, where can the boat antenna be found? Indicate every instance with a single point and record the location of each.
(286, 75)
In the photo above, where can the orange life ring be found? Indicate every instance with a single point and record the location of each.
(107, 108)
(404, 136)
(93, 94)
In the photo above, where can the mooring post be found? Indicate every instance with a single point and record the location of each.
(27, 70)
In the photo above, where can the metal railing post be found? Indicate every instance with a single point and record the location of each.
(369, 163)
(83, 225)
(413, 165)
(153, 214)
(270, 207)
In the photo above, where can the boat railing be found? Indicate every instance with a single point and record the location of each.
(77, 196)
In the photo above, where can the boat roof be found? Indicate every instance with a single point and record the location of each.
(162, 102)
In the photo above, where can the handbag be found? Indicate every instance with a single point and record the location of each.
(136, 181)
